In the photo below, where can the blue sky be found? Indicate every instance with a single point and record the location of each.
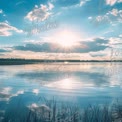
(59, 28)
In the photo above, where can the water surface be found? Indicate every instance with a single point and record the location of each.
(76, 83)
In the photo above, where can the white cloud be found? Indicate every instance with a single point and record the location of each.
(1, 11)
(6, 93)
(114, 12)
(112, 2)
(40, 13)
(5, 29)
(18, 93)
(102, 18)
(36, 91)
(6, 21)
(79, 4)
(120, 35)
(113, 17)
(51, 6)
(34, 105)
(6, 90)
(82, 2)
(89, 18)
(115, 41)
(39, 108)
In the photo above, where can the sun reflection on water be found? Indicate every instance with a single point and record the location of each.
(67, 83)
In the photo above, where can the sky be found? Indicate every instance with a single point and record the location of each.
(61, 29)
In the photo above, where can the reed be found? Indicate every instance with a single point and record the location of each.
(52, 111)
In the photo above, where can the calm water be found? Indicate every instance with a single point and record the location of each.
(82, 84)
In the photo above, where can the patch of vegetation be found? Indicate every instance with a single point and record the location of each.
(51, 111)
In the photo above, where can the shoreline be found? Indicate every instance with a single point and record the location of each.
(39, 61)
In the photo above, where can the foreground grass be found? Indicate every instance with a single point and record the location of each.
(50, 111)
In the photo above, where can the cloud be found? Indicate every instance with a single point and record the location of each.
(82, 2)
(21, 2)
(5, 29)
(72, 4)
(67, 3)
(83, 47)
(40, 13)
(36, 91)
(6, 93)
(110, 17)
(120, 35)
(97, 44)
(51, 6)
(52, 50)
(99, 54)
(115, 41)
(114, 12)
(115, 15)
(56, 76)
(90, 18)
(112, 2)
(3, 50)
(1, 11)
(39, 110)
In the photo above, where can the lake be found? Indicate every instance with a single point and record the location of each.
(81, 84)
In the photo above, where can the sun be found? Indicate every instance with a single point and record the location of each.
(66, 39)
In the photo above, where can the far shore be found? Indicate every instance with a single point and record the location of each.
(37, 61)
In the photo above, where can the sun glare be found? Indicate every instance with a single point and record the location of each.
(66, 39)
(62, 84)
(66, 84)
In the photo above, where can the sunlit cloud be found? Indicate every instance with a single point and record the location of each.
(40, 13)
(112, 2)
(6, 29)
(60, 46)
(112, 17)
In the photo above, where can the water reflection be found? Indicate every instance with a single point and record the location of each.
(84, 84)
(63, 84)
(69, 84)
(64, 81)
(97, 75)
